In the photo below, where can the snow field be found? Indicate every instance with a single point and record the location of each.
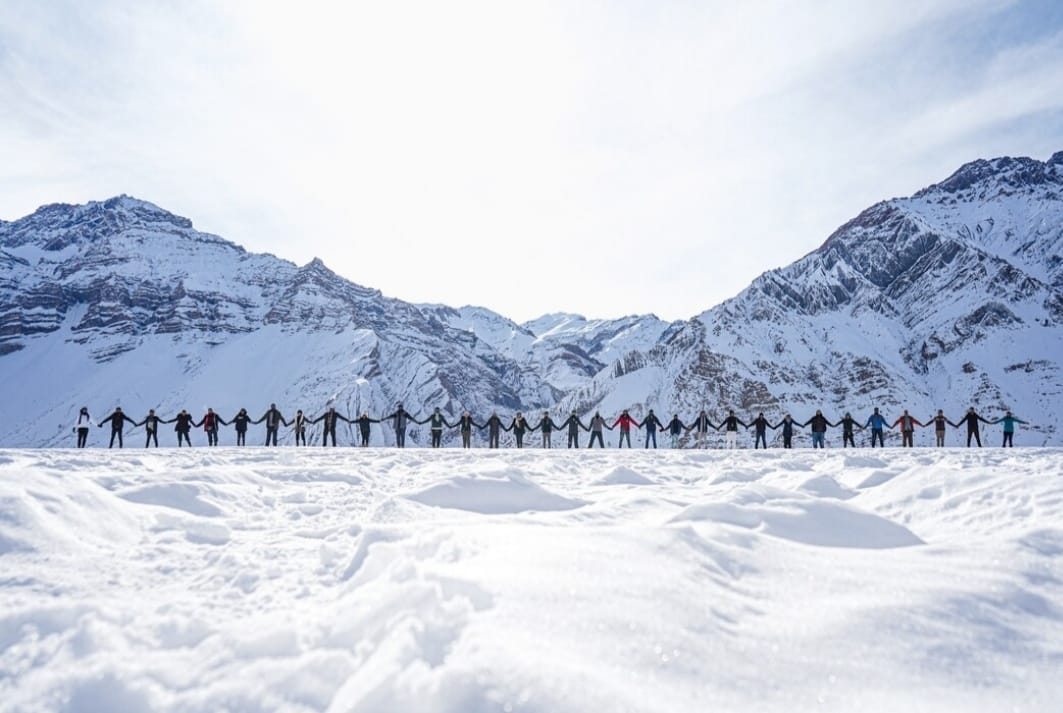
(443, 581)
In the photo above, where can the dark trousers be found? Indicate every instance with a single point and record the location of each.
(241, 438)
(1007, 440)
(877, 433)
(598, 435)
(212, 437)
(271, 435)
(492, 439)
(787, 441)
(651, 435)
(183, 435)
(573, 439)
(847, 440)
(400, 438)
(152, 436)
(437, 437)
(83, 437)
(300, 436)
(466, 439)
(519, 435)
(365, 437)
(325, 436)
(116, 433)
(762, 437)
(975, 435)
(620, 443)
(907, 439)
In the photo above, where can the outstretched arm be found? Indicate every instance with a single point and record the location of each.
(221, 420)
(197, 425)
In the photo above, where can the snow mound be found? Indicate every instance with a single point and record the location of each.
(622, 475)
(492, 493)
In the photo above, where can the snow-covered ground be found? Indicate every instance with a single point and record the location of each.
(248, 580)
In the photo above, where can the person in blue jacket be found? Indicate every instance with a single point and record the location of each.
(1009, 422)
(876, 422)
(651, 423)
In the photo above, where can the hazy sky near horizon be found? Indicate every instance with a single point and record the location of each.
(605, 158)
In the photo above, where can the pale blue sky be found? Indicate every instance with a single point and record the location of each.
(597, 157)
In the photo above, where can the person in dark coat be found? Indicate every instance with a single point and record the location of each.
(151, 428)
(787, 426)
(494, 427)
(273, 419)
(547, 426)
(939, 422)
(573, 424)
(819, 425)
(116, 419)
(183, 427)
(730, 426)
(651, 423)
(848, 424)
(700, 427)
(400, 418)
(364, 427)
(299, 427)
(239, 422)
(210, 422)
(675, 429)
(761, 425)
(465, 425)
(518, 426)
(436, 422)
(971, 418)
(331, 417)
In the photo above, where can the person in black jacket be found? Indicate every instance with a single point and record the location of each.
(547, 426)
(82, 426)
(436, 422)
(210, 422)
(573, 424)
(819, 425)
(299, 427)
(273, 419)
(465, 425)
(518, 425)
(493, 425)
(651, 423)
(848, 424)
(183, 427)
(675, 429)
(151, 428)
(239, 422)
(330, 417)
(700, 427)
(731, 424)
(116, 420)
(400, 418)
(364, 427)
(762, 426)
(971, 418)
(787, 426)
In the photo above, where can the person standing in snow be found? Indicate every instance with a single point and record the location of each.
(116, 420)
(547, 426)
(675, 429)
(1009, 422)
(819, 425)
(971, 418)
(848, 424)
(787, 425)
(626, 422)
(877, 423)
(436, 422)
(364, 427)
(651, 423)
(465, 425)
(184, 426)
(82, 426)
(298, 427)
(939, 422)
(400, 418)
(239, 422)
(730, 424)
(762, 426)
(210, 422)
(573, 424)
(151, 428)
(328, 428)
(273, 419)
(519, 425)
(494, 428)
(701, 426)
(597, 424)
(908, 425)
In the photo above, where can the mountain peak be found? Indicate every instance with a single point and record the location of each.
(1004, 172)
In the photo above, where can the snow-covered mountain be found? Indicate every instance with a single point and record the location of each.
(951, 297)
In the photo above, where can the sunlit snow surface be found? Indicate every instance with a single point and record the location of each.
(385, 580)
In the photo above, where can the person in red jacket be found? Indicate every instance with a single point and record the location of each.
(210, 422)
(908, 425)
(626, 422)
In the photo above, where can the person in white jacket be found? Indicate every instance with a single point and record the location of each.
(82, 426)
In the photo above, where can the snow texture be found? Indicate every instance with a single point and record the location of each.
(466, 582)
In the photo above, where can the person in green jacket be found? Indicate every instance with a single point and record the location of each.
(1009, 422)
